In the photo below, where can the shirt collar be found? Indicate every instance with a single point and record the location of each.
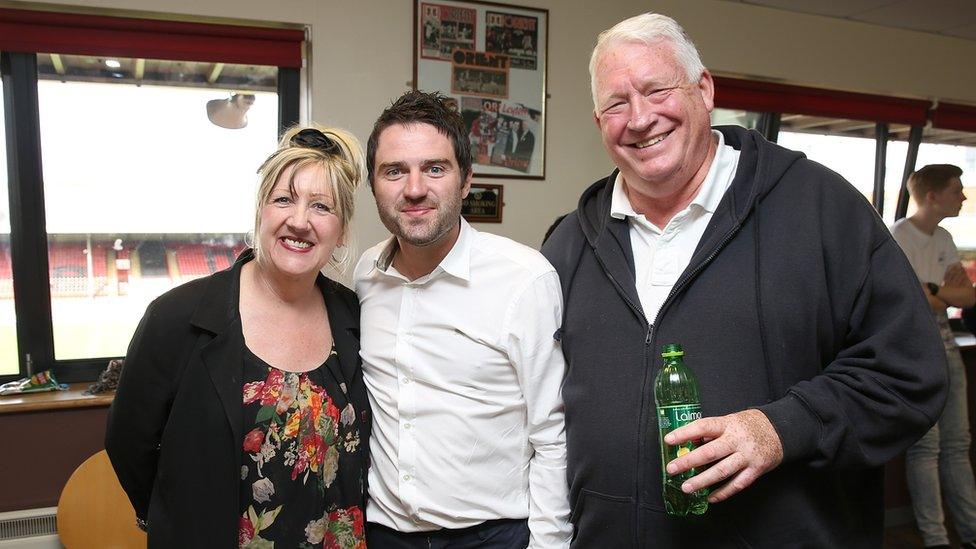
(620, 207)
(456, 263)
(385, 258)
(709, 195)
(712, 189)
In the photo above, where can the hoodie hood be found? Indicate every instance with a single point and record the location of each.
(761, 167)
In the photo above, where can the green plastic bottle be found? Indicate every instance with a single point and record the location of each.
(678, 403)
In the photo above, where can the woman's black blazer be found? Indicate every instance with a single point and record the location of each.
(174, 430)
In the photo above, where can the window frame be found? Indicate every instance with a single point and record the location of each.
(28, 235)
(773, 99)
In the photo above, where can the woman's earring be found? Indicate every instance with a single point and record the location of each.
(344, 250)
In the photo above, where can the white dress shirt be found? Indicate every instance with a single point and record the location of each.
(661, 255)
(464, 381)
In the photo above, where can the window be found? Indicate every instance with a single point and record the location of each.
(957, 148)
(946, 147)
(154, 195)
(8, 318)
(952, 140)
(835, 128)
(845, 146)
(134, 174)
(897, 153)
(746, 119)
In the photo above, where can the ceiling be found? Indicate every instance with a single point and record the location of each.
(860, 128)
(792, 122)
(955, 18)
(946, 17)
(83, 68)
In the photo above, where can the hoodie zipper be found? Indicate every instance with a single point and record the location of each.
(650, 342)
(640, 419)
(680, 285)
(620, 290)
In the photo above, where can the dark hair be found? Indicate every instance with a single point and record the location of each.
(932, 178)
(417, 107)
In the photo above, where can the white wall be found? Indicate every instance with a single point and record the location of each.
(361, 60)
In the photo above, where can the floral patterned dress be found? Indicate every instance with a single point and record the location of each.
(294, 436)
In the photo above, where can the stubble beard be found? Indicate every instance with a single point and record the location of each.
(421, 234)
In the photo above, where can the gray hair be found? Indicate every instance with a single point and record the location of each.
(649, 29)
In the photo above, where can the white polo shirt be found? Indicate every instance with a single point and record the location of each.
(661, 255)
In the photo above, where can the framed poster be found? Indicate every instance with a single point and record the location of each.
(491, 59)
(483, 204)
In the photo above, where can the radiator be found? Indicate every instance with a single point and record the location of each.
(29, 529)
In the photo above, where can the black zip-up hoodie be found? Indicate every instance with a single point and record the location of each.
(796, 302)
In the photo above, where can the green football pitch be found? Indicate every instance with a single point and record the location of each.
(83, 327)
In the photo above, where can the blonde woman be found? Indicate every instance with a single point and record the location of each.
(241, 418)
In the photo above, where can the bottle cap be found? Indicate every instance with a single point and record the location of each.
(672, 350)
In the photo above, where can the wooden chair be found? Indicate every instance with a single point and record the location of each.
(94, 512)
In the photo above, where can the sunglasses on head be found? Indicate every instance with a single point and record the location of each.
(310, 138)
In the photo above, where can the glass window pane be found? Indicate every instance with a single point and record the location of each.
(894, 171)
(963, 227)
(8, 319)
(746, 119)
(845, 146)
(959, 149)
(143, 190)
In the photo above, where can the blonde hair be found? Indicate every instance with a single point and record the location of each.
(343, 172)
(649, 29)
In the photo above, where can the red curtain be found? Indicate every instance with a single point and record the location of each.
(949, 116)
(66, 33)
(732, 93)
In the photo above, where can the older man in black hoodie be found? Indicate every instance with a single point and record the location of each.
(797, 311)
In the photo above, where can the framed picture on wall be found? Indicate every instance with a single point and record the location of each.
(483, 204)
(491, 59)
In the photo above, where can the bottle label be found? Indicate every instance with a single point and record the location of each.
(670, 418)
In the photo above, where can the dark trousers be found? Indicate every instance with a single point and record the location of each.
(492, 534)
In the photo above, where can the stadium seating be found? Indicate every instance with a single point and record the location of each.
(6, 273)
(68, 264)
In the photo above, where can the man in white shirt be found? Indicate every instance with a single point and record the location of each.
(459, 355)
(937, 189)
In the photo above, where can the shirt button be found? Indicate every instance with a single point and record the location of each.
(406, 381)
(407, 426)
(406, 478)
